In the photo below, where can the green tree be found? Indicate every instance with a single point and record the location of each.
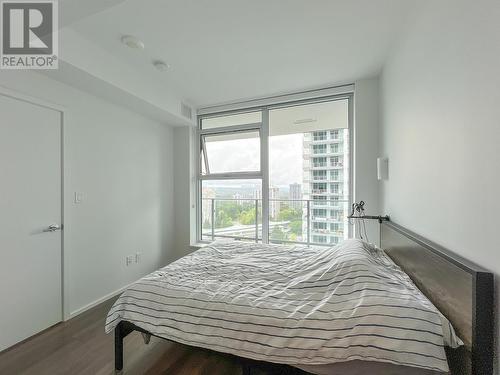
(296, 227)
(234, 209)
(223, 220)
(247, 217)
(278, 234)
(289, 214)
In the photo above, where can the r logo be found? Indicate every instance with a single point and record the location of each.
(29, 34)
(27, 28)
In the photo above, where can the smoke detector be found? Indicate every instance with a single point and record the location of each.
(162, 66)
(132, 42)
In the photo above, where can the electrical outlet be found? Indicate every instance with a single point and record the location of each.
(138, 257)
(129, 260)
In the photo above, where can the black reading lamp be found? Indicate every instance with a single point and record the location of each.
(358, 212)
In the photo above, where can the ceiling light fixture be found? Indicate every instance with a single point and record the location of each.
(132, 42)
(162, 66)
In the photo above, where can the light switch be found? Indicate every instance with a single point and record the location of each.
(78, 197)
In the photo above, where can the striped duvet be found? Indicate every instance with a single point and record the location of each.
(291, 304)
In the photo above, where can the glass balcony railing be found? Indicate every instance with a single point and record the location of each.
(290, 221)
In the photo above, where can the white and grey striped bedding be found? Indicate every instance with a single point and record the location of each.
(291, 304)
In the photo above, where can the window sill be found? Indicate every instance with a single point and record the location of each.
(197, 245)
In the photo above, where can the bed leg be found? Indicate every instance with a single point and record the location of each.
(146, 337)
(119, 335)
(246, 368)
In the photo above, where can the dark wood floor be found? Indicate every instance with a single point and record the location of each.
(80, 346)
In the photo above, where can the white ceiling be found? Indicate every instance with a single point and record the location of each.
(227, 50)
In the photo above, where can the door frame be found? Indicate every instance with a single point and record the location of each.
(63, 114)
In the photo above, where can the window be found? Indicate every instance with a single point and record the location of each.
(319, 213)
(243, 146)
(336, 161)
(335, 175)
(275, 174)
(335, 227)
(231, 209)
(319, 162)
(319, 136)
(319, 239)
(319, 188)
(319, 149)
(335, 148)
(318, 226)
(319, 175)
(230, 200)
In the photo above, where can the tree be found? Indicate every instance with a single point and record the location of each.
(247, 217)
(289, 214)
(223, 220)
(296, 227)
(278, 234)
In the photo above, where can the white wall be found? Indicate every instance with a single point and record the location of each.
(184, 191)
(123, 164)
(366, 151)
(440, 129)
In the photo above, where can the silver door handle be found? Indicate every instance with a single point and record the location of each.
(53, 228)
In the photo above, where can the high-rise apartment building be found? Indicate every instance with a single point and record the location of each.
(326, 184)
(274, 203)
(295, 193)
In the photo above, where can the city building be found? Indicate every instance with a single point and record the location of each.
(326, 184)
(295, 193)
(239, 198)
(206, 205)
(274, 204)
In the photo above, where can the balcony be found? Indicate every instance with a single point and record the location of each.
(319, 178)
(319, 191)
(319, 165)
(336, 164)
(241, 219)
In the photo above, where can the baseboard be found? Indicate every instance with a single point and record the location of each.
(96, 302)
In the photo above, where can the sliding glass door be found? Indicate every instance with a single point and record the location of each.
(277, 174)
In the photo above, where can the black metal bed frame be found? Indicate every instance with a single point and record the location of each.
(482, 315)
(124, 328)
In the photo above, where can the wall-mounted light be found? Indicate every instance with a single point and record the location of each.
(382, 168)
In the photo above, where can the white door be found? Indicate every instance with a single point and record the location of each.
(30, 201)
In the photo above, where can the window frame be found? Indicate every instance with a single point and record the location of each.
(263, 174)
(226, 130)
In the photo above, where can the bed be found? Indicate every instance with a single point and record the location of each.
(345, 309)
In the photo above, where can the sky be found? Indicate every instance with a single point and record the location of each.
(285, 157)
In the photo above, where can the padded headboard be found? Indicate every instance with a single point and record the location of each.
(461, 290)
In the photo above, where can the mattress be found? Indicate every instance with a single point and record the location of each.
(295, 305)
